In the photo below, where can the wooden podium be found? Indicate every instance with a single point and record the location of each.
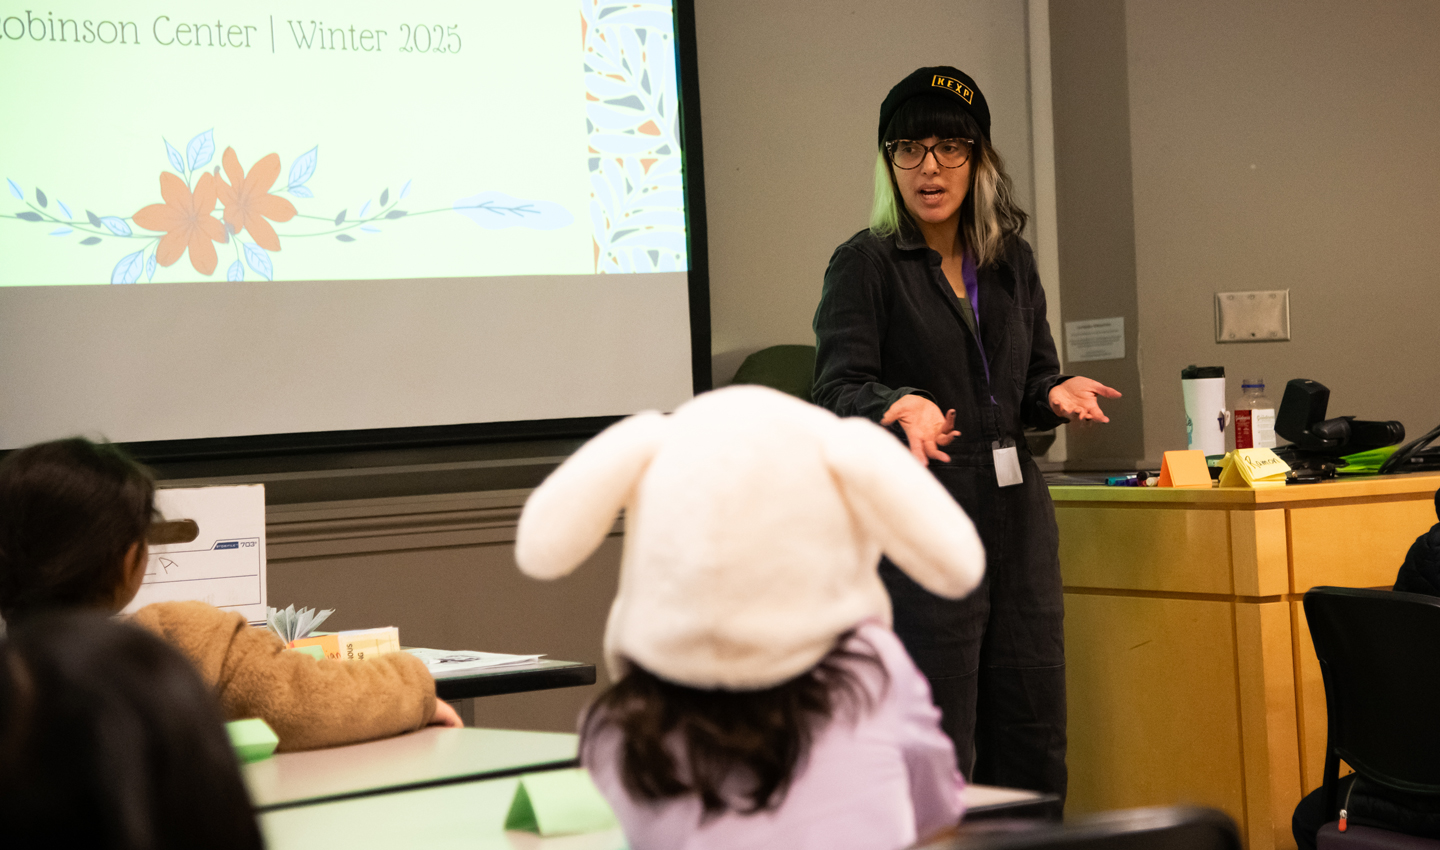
(1190, 673)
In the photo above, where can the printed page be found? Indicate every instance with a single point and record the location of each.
(225, 564)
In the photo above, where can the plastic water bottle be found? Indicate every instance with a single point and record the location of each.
(1254, 416)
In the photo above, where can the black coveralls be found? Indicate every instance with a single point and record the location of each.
(889, 324)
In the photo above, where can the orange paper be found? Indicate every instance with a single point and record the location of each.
(329, 644)
(1184, 469)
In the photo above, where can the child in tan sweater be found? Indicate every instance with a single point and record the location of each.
(74, 516)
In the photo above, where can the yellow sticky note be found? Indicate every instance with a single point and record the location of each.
(1184, 469)
(1256, 468)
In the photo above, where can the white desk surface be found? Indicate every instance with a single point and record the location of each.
(469, 815)
(429, 755)
(983, 796)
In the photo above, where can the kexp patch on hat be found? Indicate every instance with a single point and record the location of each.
(936, 80)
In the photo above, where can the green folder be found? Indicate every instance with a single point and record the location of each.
(559, 802)
(252, 739)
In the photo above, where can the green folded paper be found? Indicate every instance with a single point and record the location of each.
(559, 802)
(252, 739)
(1366, 463)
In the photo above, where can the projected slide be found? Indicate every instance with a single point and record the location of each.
(211, 143)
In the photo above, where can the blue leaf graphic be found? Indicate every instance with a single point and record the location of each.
(301, 192)
(150, 268)
(15, 190)
(40, 196)
(64, 231)
(65, 209)
(201, 149)
(128, 269)
(235, 272)
(303, 167)
(93, 240)
(259, 260)
(365, 208)
(369, 228)
(29, 216)
(115, 225)
(404, 190)
(175, 161)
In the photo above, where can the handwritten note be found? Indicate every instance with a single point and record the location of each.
(1256, 468)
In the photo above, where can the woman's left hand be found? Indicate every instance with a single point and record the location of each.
(1077, 399)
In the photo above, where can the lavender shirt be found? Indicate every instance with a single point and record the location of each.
(881, 782)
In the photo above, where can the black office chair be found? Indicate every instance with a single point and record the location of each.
(1160, 828)
(1379, 653)
(787, 368)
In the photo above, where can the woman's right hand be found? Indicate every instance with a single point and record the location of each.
(925, 428)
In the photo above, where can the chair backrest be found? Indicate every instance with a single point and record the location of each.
(1160, 828)
(1379, 652)
(787, 368)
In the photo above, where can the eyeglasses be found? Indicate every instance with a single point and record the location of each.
(949, 153)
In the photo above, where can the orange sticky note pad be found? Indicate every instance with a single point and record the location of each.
(329, 644)
(1184, 469)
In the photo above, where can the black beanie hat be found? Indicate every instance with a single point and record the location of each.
(942, 80)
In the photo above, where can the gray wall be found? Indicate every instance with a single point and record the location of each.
(1282, 145)
(1094, 211)
(790, 94)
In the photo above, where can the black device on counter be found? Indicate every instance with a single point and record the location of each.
(1301, 420)
(1414, 456)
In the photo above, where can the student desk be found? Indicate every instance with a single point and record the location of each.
(1189, 667)
(472, 815)
(539, 676)
(467, 815)
(428, 757)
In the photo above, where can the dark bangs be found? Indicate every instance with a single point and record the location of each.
(932, 115)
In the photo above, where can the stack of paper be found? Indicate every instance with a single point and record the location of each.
(1258, 468)
(291, 625)
(353, 645)
(442, 662)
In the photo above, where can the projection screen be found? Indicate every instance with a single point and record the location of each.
(221, 220)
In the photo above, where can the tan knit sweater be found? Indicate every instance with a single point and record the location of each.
(309, 702)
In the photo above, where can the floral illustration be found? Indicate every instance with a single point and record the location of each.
(637, 205)
(248, 201)
(251, 206)
(186, 221)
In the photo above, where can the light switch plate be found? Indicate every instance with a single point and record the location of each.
(1252, 316)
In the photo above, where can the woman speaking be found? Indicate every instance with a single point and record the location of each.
(932, 321)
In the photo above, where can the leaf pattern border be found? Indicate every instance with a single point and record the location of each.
(637, 200)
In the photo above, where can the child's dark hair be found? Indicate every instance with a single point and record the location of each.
(109, 739)
(752, 741)
(69, 512)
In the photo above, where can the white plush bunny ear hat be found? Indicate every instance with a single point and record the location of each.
(754, 524)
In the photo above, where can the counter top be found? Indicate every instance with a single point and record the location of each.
(1367, 487)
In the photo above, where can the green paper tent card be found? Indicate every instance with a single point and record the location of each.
(252, 739)
(559, 802)
(1256, 468)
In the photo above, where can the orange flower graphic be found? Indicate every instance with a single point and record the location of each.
(248, 201)
(186, 220)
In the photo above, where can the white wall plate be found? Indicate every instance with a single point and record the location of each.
(1252, 316)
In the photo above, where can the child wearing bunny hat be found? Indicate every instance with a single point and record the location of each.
(760, 698)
